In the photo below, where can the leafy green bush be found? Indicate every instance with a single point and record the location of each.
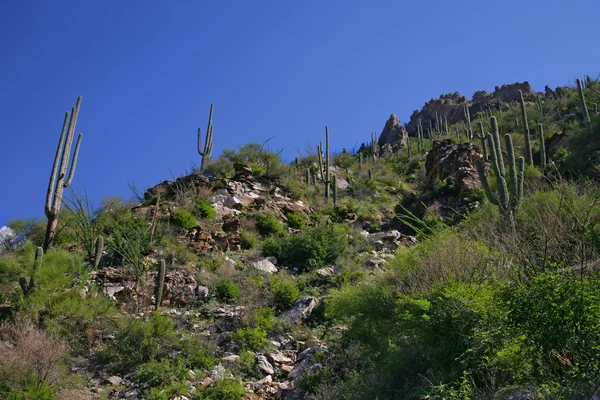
(253, 339)
(249, 239)
(182, 218)
(268, 224)
(129, 242)
(204, 209)
(296, 221)
(227, 291)
(285, 291)
(224, 389)
(139, 342)
(315, 247)
(163, 378)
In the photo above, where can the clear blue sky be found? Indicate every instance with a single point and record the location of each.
(149, 70)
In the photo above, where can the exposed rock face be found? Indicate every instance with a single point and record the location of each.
(455, 164)
(450, 106)
(300, 310)
(393, 133)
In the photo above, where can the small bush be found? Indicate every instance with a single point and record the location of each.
(296, 221)
(164, 378)
(253, 339)
(313, 248)
(204, 209)
(30, 362)
(249, 239)
(227, 291)
(285, 292)
(140, 342)
(182, 219)
(225, 389)
(268, 224)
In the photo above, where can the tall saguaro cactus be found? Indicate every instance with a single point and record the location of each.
(324, 169)
(58, 183)
(468, 127)
(542, 148)
(482, 136)
(528, 150)
(510, 194)
(208, 144)
(28, 287)
(584, 108)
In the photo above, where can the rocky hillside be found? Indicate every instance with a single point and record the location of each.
(443, 263)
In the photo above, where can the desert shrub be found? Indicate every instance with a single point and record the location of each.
(268, 224)
(285, 291)
(139, 342)
(312, 248)
(344, 160)
(223, 389)
(33, 229)
(163, 378)
(559, 317)
(227, 291)
(30, 362)
(129, 242)
(182, 218)
(203, 209)
(296, 221)
(221, 168)
(254, 339)
(263, 319)
(249, 239)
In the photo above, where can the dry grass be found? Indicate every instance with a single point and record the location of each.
(24, 350)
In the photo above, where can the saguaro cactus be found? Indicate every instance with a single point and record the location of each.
(208, 144)
(528, 150)
(468, 127)
(98, 253)
(510, 194)
(334, 188)
(58, 183)
(160, 283)
(482, 137)
(26, 287)
(542, 148)
(324, 169)
(584, 108)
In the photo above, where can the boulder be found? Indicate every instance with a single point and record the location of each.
(300, 310)
(264, 365)
(264, 266)
(393, 134)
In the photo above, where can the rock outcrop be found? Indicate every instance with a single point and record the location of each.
(393, 134)
(454, 164)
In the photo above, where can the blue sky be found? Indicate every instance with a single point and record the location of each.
(149, 70)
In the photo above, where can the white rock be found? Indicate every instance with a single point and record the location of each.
(264, 266)
(264, 365)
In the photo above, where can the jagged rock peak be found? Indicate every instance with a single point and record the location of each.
(393, 132)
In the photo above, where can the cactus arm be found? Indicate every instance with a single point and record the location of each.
(98, 253)
(520, 179)
(495, 144)
(485, 183)
(74, 161)
(160, 284)
(542, 148)
(528, 151)
(200, 142)
(327, 162)
(59, 150)
(512, 182)
(582, 100)
(320, 159)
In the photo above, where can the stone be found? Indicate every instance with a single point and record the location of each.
(278, 357)
(267, 380)
(264, 266)
(217, 372)
(393, 133)
(114, 380)
(206, 382)
(230, 359)
(264, 365)
(300, 310)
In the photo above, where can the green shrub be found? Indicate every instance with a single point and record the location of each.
(313, 248)
(156, 373)
(268, 224)
(285, 291)
(296, 221)
(129, 242)
(249, 239)
(263, 319)
(224, 389)
(253, 339)
(139, 342)
(204, 209)
(227, 291)
(182, 219)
